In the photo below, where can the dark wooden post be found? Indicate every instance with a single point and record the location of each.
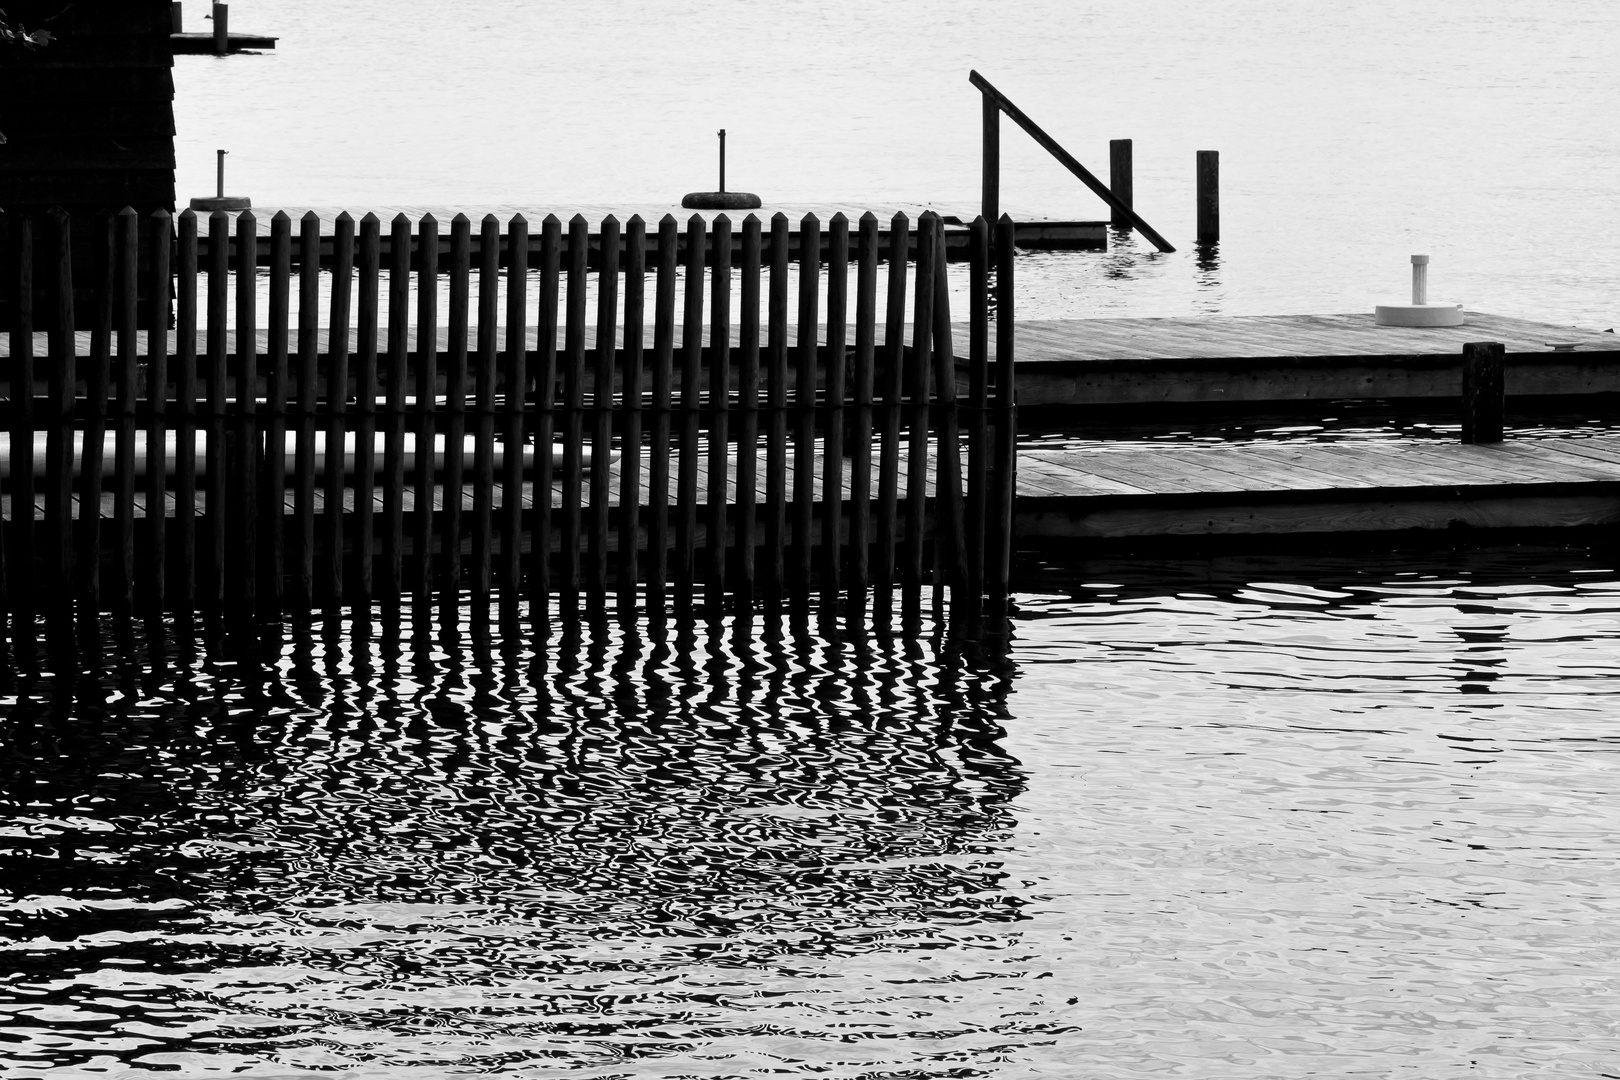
(1209, 196)
(1482, 395)
(1119, 181)
(222, 29)
(992, 158)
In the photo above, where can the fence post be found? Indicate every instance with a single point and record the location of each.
(1482, 392)
(20, 253)
(157, 392)
(991, 201)
(999, 565)
(1120, 182)
(1209, 196)
(59, 440)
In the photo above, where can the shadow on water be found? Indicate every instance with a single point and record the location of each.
(413, 841)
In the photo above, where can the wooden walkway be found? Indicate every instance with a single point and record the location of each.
(1258, 360)
(1240, 489)
(1282, 358)
(1274, 489)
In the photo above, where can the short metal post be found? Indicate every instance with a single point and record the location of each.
(722, 160)
(220, 172)
(1420, 279)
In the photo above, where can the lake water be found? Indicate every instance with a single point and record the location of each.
(1352, 135)
(1235, 817)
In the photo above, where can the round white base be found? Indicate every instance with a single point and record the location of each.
(1418, 314)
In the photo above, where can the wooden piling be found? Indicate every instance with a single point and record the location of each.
(368, 266)
(337, 394)
(301, 545)
(1209, 196)
(719, 404)
(277, 372)
(1120, 182)
(483, 516)
(515, 390)
(1483, 406)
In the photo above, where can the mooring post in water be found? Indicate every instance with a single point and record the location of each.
(175, 17)
(1482, 392)
(1209, 196)
(1119, 182)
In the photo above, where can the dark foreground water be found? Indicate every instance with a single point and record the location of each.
(1276, 817)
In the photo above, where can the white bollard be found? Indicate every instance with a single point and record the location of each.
(1419, 312)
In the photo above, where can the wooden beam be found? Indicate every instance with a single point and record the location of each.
(1067, 160)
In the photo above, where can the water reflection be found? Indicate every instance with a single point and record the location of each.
(1233, 816)
(419, 844)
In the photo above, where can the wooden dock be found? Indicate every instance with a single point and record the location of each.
(1271, 490)
(1251, 360)
(203, 44)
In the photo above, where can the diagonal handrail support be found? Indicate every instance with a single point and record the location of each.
(995, 97)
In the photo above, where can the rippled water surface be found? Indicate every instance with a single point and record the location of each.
(1237, 817)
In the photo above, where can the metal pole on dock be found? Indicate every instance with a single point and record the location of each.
(722, 161)
(1119, 180)
(1209, 196)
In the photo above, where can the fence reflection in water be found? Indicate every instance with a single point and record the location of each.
(315, 842)
(784, 458)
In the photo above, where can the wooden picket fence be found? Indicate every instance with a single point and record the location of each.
(792, 455)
